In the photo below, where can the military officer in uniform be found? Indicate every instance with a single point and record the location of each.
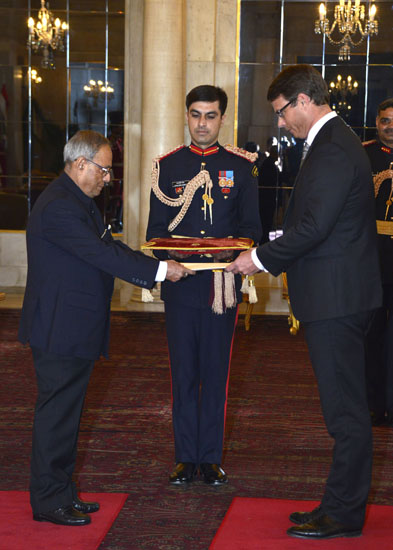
(200, 340)
(379, 366)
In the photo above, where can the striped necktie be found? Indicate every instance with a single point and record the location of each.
(306, 147)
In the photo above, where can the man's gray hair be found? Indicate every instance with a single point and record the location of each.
(84, 143)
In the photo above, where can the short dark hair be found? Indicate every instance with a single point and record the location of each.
(297, 79)
(385, 105)
(208, 93)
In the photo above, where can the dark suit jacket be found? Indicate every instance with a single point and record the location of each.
(329, 246)
(71, 269)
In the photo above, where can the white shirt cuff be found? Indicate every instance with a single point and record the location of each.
(256, 261)
(161, 272)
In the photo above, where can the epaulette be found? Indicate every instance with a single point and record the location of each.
(169, 153)
(367, 143)
(251, 157)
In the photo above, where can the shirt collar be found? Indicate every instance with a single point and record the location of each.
(318, 125)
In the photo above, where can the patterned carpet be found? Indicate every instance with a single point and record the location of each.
(276, 445)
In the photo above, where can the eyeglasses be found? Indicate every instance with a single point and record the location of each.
(105, 171)
(280, 112)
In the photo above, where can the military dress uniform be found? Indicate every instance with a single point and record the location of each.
(379, 365)
(199, 340)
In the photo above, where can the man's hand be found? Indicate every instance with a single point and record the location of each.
(177, 255)
(176, 271)
(223, 256)
(243, 264)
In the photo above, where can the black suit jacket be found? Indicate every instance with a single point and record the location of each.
(329, 246)
(72, 262)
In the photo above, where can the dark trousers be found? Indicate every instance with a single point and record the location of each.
(200, 345)
(379, 358)
(62, 384)
(337, 355)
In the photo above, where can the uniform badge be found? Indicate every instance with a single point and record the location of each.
(179, 186)
(226, 181)
(254, 171)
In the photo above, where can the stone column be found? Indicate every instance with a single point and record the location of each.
(154, 105)
(162, 89)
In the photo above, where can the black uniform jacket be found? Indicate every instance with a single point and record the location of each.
(329, 247)
(234, 211)
(71, 265)
(380, 157)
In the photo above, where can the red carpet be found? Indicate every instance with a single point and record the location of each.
(18, 531)
(261, 524)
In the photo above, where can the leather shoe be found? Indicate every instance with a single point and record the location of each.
(213, 474)
(305, 517)
(184, 472)
(323, 527)
(85, 507)
(65, 515)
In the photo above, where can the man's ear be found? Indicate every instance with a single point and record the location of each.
(79, 163)
(223, 118)
(304, 99)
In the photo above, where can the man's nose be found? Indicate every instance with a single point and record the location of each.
(281, 122)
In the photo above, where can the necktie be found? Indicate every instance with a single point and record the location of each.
(306, 147)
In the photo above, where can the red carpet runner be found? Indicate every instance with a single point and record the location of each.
(18, 531)
(261, 524)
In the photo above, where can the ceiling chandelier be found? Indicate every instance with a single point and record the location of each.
(349, 20)
(98, 90)
(47, 34)
(342, 91)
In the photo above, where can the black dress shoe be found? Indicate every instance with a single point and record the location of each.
(213, 474)
(65, 515)
(184, 472)
(85, 507)
(323, 527)
(305, 517)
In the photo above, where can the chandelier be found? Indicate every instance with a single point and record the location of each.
(35, 77)
(342, 91)
(98, 90)
(47, 34)
(351, 22)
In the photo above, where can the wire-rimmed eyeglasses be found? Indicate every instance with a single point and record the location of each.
(280, 112)
(105, 171)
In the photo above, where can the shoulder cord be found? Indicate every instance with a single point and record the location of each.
(252, 157)
(378, 179)
(201, 179)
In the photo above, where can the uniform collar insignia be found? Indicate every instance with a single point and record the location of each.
(204, 152)
(386, 149)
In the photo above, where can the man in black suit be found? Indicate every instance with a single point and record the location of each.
(72, 262)
(328, 250)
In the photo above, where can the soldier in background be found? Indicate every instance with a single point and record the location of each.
(379, 365)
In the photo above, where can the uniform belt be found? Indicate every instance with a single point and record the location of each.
(384, 228)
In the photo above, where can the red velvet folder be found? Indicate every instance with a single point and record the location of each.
(191, 245)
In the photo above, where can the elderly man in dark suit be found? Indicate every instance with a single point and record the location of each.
(329, 252)
(72, 262)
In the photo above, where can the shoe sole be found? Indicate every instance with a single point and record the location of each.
(339, 535)
(61, 523)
